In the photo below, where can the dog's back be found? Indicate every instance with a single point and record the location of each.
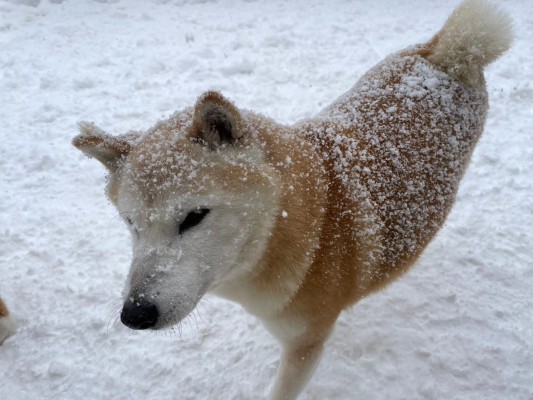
(400, 140)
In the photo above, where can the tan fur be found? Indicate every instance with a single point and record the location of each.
(333, 280)
(7, 324)
(213, 107)
(358, 191)
(4, 312)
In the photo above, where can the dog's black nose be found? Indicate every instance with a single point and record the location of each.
(139, 314)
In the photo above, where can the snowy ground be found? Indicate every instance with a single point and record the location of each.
(459, 325)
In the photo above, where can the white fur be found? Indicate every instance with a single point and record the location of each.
(476, 34)
(173, 272)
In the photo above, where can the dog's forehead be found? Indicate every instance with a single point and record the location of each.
(164, 161)
(171, 164)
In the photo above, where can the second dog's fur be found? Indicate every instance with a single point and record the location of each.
(7, 325)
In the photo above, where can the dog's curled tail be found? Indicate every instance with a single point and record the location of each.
(476, 34)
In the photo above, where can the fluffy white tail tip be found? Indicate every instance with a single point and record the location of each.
(476, 34)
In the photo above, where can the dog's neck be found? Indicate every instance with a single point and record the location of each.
(293, 242)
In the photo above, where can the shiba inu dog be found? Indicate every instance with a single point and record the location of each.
(7, 325)
(296, 223)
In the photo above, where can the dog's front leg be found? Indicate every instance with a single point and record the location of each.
(298, 362)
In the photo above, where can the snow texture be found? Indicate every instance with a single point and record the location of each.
(459, 325)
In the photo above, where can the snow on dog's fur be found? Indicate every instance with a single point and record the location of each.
(297, 223)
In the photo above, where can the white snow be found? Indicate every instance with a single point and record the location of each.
(459, 325)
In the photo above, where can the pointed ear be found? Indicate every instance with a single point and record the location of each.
(216, 121)
(107, 149)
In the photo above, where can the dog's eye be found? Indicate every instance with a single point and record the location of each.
(129, 221)
(192, 219)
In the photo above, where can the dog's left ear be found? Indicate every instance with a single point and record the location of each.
(109, 150)
(216, 121)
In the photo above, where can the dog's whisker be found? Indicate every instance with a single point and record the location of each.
(116, 305)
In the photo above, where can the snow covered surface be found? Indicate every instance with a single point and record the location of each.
(459, 325)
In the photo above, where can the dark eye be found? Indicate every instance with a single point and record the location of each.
(132, 226)
(192, 219)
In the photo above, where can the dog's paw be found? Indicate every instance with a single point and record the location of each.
(7, 327)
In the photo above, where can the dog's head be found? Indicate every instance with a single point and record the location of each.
(199, 200)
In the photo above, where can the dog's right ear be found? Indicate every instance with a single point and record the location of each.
(216, 121)
(109, 150)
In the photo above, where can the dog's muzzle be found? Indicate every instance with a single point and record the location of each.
(139, 314)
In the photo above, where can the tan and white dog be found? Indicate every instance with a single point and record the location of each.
(296, 223)
(7, 324)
